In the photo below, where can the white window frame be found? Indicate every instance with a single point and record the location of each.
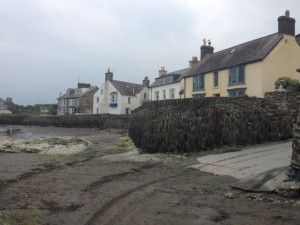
(71, 102)
(127, 111)
(164, 94)
(172, 93)
(156, 94)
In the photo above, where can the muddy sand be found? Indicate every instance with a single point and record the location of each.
(58, 176)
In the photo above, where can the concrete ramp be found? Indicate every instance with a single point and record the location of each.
(253, 166)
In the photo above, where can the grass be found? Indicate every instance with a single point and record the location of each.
(28, 216)
(126, 143)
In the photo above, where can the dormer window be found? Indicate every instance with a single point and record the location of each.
(165, 80)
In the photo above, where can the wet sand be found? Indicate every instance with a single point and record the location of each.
(111, 183)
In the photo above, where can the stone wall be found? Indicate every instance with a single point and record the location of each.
(294, 170)
(91, 121)
(193, 125)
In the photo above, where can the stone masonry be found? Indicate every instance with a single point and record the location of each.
(193, 125)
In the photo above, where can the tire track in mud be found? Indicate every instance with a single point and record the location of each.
(109, 178)
(97, 215)
(46, 168)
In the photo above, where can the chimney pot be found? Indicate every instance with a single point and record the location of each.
(287, 13)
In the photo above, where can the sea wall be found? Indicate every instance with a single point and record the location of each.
(193, 125)
(91, 121)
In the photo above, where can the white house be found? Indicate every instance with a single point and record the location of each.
(170, 85)
(119, 97)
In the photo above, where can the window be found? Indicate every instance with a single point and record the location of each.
(172, 93)
(71, 102)
(145, 95)
(101, 91)
(71, 110)
(164, 80)
(64, 101)
(236, 92)
(127, 110)
(164, 94)
(97, 110)
(216, 79)
(114, 97)
(156, 95)
(77, 101)
(237, 75)
(128, 100)
(97, 99)
(198, 82)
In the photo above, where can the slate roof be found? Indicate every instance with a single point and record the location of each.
(251, 51)
(128, 89)
(177, 77)
(76, 95)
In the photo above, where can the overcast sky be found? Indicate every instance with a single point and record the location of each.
(47, 45)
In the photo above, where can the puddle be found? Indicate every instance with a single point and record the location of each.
(23, 133)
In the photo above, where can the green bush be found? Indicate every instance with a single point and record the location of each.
(288, 84)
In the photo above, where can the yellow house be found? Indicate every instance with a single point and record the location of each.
(250, 68)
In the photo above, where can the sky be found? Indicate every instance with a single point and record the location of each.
(47, 46)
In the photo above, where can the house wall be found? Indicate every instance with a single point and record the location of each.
(100, 101)
(282, 61)
(141, 96)
(104, 100)
(62, 109)
(134, 103)
(253, 82)
(177, 86)
(86, 102)
(209, 89)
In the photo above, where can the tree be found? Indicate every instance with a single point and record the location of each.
(288, 84)
(53, 109)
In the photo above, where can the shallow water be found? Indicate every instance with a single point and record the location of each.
(16, 132)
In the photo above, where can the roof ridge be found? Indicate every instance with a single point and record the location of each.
(176, 71)
(235, 46)
(127, 82)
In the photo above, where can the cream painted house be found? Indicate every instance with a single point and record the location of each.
(250, 68)
(119, 97)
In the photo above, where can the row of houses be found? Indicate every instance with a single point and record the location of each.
(249, 68)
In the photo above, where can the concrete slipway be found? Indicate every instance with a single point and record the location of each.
(259, 167)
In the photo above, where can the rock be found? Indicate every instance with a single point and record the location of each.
(289, 189)
(230, 195)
